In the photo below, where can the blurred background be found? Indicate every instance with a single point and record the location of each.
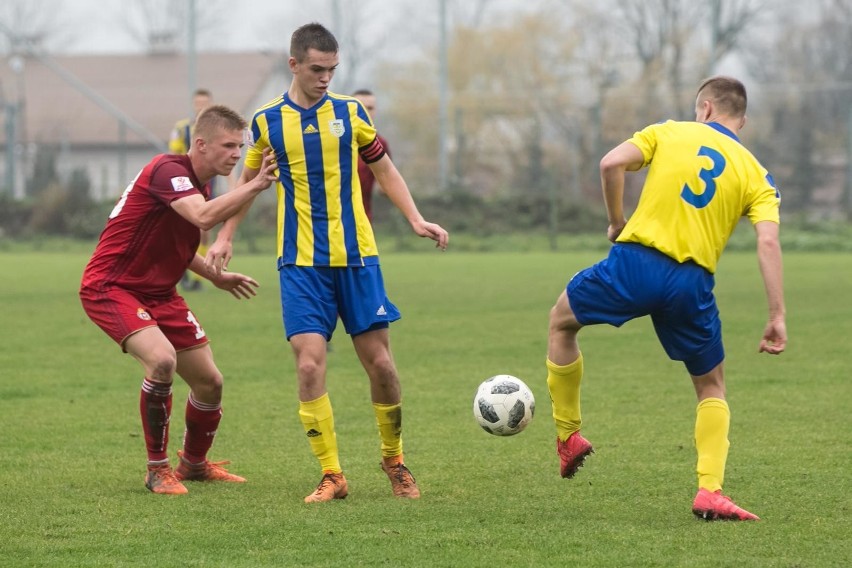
(497, 111)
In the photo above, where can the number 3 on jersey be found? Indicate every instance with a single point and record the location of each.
(708, 176)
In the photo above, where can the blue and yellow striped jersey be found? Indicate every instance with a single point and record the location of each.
(321, 217)
(700, 182)
(181, 136)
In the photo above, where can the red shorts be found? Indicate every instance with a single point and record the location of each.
(121, 313)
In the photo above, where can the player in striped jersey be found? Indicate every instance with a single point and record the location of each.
(327, 256)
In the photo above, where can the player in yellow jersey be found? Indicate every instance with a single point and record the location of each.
(327, 257)
(700, 181)
(181, 136)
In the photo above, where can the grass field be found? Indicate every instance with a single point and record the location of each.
(72, 466)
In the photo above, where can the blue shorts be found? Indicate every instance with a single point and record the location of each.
(312, 297)
(635, 281)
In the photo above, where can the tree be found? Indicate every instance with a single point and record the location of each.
(44, 173)
(32, 24)
(729, 20)
(669, 36)
(806, 66)
(159, 26)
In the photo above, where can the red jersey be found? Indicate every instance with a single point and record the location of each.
(365, 174)
(146, 246)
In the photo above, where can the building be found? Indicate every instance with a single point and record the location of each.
(109, 114)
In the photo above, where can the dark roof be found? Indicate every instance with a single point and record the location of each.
(152, 90)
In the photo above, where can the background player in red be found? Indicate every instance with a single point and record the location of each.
(365, 174)
(129, 289)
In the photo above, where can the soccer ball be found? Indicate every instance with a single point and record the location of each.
(503, 405)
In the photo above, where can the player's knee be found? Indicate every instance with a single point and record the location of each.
(309, 368)
(210, 387)
(214, 381)
(562, 320)
(162, 367)
(384, 369)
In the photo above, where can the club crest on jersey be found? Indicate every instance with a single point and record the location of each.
(181, 183)
(142, 314)
(336, 127)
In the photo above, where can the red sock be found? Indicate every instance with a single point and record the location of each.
(155, 406)
(202, 420)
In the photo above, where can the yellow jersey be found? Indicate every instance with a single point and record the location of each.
(181, 137)
(701, 181)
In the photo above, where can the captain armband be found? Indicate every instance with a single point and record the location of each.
(372, 152)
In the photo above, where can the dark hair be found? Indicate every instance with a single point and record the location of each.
(727, 93)
(311, 36)
(365, 92)
(202, 93)
(215, 117)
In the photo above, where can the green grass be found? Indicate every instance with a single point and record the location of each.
(72, 455)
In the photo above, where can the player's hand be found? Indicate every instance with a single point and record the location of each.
(218, 256)
(614, 230)
(266, 175)
(774, 337)
(239, 285)
(432, 231)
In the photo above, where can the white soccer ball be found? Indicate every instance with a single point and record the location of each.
(503, 405)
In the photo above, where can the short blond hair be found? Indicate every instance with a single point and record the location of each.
(215, 117)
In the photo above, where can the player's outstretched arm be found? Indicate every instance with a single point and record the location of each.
(397, 191)
(239, 285)
(207, 214)
(219, 254)
(774, 339)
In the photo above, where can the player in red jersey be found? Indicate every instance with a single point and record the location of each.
(129, 289)
(365, 174)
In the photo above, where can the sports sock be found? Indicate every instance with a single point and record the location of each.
(389, 421)
(563, 383)
(318, 420)
(155, 406)
(712, 421)
(202, 421)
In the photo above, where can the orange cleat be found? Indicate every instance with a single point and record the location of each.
(205, 471)
(161, 479)
(332, 486)
(402, 482)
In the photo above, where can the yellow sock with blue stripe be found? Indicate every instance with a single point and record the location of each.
(712, 421)
(389, 421)
(563, 383)
(318, 420)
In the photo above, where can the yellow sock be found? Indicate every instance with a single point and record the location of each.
(389, 420)
(318, 421)
(713, 418)
(563, 382)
